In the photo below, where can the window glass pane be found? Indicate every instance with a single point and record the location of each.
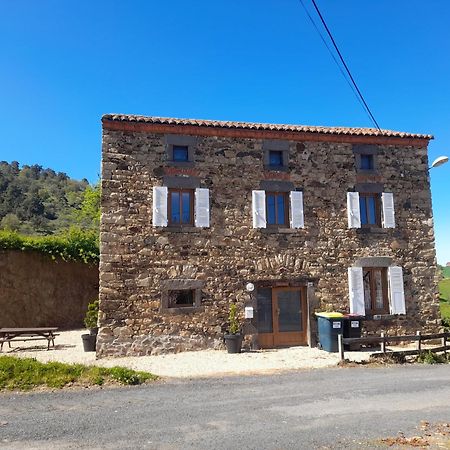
(371, 210)
(363, 209)
(366, 162)
(179, 299)
(270, 199)
(275, 158)
(367, 293)
(280, 209)
(379, 304)
(175, 207)
(289, 311)
(264, 310)
(180, 153)
(186, 207)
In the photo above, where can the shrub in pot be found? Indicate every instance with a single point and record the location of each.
(233, 339)
(90, 321)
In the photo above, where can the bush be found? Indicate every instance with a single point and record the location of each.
(431, 358)
(91, 318)
(234, 325)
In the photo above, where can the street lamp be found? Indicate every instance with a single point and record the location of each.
(439, 161)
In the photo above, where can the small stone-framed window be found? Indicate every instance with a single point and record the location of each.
(180, 149)
(181, 296)
(276, 155)
(180, 153)
(365, 158)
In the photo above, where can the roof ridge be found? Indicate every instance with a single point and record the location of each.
(359, 131)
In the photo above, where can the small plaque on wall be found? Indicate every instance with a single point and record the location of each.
(248, 312)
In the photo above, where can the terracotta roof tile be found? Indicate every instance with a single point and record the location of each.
(264, 126)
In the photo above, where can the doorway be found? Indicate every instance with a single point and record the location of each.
(281, 316)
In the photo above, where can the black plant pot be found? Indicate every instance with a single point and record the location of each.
(233, 343)
(89, 342)
(93, 331)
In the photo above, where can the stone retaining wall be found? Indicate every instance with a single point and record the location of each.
(36, 291)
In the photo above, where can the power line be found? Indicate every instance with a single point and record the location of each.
(333, 56)
(361, 97)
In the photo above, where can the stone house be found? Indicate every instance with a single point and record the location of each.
(316, 218)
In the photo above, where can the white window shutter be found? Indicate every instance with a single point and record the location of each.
(387, 200)
(202, 207)
(356, 291)
(160, 206)
(353, 212)
(297, 218)
(396, 291)
(259, 209)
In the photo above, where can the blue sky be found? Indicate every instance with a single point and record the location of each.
(63, 64)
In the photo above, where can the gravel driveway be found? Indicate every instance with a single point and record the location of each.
(203, 363)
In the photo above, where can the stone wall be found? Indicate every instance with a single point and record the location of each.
(36, 291)
(136, 258)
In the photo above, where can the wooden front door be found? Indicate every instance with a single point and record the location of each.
(282, 317)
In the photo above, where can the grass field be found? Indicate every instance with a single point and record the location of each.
(446, 272)
(444, 290)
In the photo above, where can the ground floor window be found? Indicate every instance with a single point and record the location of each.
(376, 298)
(181, 298)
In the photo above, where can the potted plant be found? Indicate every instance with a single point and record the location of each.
(233, 339)
(90, 321)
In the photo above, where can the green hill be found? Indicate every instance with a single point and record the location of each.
(38, 201)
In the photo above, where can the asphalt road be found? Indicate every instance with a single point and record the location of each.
(329, 408)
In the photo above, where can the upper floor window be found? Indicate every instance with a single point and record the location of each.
(370, 210)
(180, 153)
(276, 158)
(180, 149)
(181, 207)
(367, 162)
(277, 209)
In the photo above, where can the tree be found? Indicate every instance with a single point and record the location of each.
(10, 222)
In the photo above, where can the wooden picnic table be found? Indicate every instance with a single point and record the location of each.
(28, 334)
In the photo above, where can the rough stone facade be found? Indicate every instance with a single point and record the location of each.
(137, 259)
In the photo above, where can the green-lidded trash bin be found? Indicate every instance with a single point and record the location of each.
(330, 325)
(352, 329)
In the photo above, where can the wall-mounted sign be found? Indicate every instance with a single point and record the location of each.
(248, 312)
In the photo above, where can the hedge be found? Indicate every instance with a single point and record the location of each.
(73, 245)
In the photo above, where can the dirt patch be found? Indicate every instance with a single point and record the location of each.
(430, 436)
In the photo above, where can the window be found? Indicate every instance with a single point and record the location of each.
(181, 298)
(275, 158)
(366, 162)
(181, 207)
(370, 209)
(375, 283)
(277, 209)
(180, 153)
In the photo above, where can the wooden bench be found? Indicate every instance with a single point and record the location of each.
(28, 334)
